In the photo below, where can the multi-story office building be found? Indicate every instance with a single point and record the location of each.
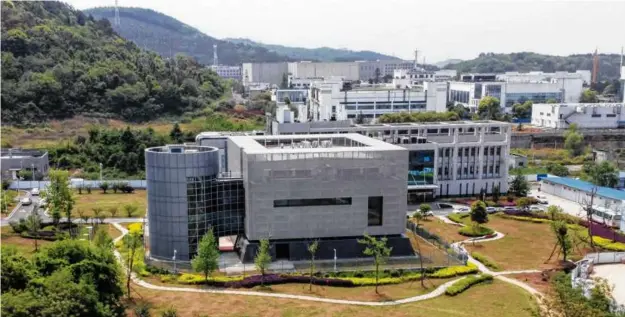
(271, 73)
(445, 158)
(584, 75)
(585, 115)
(338, 100)
(412, 77)
(14, 160)
(225, 71)
(469, 93)
(289, 189)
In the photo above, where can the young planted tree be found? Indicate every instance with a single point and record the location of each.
(104, 186)
(379, 251)
(312, 249)
(424, 209)
(33, 223)
(132, 242)
(418, 216)
(130, 210)
(523, 203)
(519, 186)
(478, 213)
(496, 193)
(563, 241)
(97, 212)
(263, 259)
(113, 211)
(82, 215)
(206, 260)
(59, 196)
(554, 212)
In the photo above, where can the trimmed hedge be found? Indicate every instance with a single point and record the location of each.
(457, 218)
(485, 260)
(464, 284)
(608, 244)
(526, 219)
(453, 271)
(474, 231)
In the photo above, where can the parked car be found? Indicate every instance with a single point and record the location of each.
(509, 209)
(461, 210)
(536, 208)
(34, 191)
(491, 210)
(26, 201)
(444, 206)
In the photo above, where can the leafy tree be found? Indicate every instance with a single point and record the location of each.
(206, 260)
(113, 211)
(489, 108)
(519, 186)
(59, 195)
(557, 169)
(97, 212)
(588, 96)
(496, 193)
(312, 249)
(478, 212)
(130, 210)
(379, 251)
(603, 174)
(554, 212)
(522, 111)
(427, 116)
(424, 209)
(176, 134)
(574, 140)
(524, 203)
(551, 100)
(104, 186)
(132, 242)
(101, 238)
(33, 222)
(6, 197)
(560, 230)
(263, 258)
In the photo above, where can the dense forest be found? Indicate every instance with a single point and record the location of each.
(527, 61)
(317, 54)
(167, 36)
(58, 62)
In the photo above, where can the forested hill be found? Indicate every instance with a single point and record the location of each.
(317, 54)
(58, 62)
(527, 61)
(166, 36)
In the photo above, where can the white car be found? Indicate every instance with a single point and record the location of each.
(491, 210)
(43, 202)
(535, 208)
(26, 201)
(461, 210)
(34, 191)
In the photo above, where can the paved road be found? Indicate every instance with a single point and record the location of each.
(22, 212)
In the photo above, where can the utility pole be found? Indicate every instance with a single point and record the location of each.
(215, 60)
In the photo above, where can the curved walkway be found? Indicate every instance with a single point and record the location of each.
(440, 290)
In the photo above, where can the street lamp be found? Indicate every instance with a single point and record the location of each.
(32, 169)
(174, 258)
(100, 172)
(334, 260)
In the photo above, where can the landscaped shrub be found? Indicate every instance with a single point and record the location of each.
(485, 260)
(455, 271)
(527, 219)
(19, 226)
(475, 231)
(464, 284)
(457, 217)
(608, 244)
(135, 227)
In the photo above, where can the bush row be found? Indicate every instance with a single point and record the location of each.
(464, 284)
(608, 244)
(485, 260)
(455, 271)
(475, 231)
(524, 218)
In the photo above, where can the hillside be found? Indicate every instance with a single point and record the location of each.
(57, 63)
(167, 36)
(446, 62)
(527, 61)
(316, 54)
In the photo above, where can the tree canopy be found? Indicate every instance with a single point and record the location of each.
(57, 63)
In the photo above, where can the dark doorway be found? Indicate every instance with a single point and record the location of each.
(282, 251)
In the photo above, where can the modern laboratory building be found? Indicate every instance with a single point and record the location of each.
(289, 189)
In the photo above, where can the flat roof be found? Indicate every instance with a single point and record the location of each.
(254, 144)
(587, 187)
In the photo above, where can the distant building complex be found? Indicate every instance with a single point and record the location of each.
(584, 115)
(225, 71)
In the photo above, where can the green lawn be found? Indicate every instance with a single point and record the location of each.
(86, 202)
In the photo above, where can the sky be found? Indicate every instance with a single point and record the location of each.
(439, 29)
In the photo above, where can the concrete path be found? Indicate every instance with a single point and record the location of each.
(615, 273)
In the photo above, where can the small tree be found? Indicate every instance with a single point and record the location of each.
(113, 211)
(170, 312)
(523, 203)
(263, 259)
(312, 249)
(206, 260)
(97, 212)
(130, 210)
(104, 186)
(496, 193)
(478, 213)
(424, 209)
(115, 187)
(554, 212)
(176, 134)
(519, 186)
(33, 223)
(380, 252)
(418, 216)
(562, 238)
(102, 239)
(132, 241)
(142, 310)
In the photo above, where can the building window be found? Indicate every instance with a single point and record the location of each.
(312, 202)
(375, 211)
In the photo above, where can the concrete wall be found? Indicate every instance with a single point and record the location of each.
(385, 174)
(349, 70)
(168, 218)
(264, 72)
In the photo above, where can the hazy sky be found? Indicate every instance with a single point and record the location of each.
(441, 29)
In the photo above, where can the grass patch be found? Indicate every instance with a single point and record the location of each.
(477, 301)
(475, 231)
(86, 202)
(442, 229)
(458, 217)
(24, 246)
(464, 284)
(486, 261)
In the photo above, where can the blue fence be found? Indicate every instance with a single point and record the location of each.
(134, 183)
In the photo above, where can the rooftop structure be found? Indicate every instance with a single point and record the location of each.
(585, 115)
(14, 160)
(579, 191)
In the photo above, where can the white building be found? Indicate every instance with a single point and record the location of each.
(584, 75)
(445, 159)
(302, 83)
(225, 71)
(411, 77)
(298, 99)
(337, 100)
(580, 191)
(509, 93)
(264, 72)
(585, 115)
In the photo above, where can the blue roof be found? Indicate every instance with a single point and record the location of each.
(587, 187)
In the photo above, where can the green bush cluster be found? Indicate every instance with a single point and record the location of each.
(427, 116)
(455, 271)
(464, 284)
(458, 218)
(485, 260)
(475, 231)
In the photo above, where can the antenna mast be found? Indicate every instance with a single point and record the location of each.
(595, 67)
(416, 58)
(215, 61)
(116, 12)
